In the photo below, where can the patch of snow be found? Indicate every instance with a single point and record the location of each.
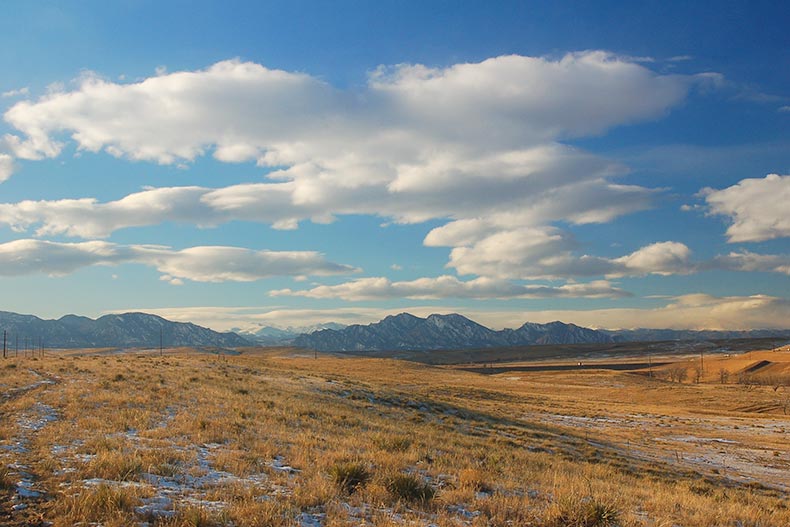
(42, 415)
(24, 489)
(157, 507)
(463, 512)
(277, 464)
(306, 519)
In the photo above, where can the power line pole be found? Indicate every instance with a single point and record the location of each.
(649, 364)
(161, 341)
(4, 337)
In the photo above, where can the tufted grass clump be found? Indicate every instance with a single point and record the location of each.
(411, 488)
(349, 476)
(6, 479)
(99, 504)
(583, 511)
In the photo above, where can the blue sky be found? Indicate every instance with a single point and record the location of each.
(285, 163)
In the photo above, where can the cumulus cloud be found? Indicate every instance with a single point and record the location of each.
(547, 253)
(663, 258)
(201, 264)
(479, 145)
(526, 200)
(378, 288)
(757, 208)
(247, 111)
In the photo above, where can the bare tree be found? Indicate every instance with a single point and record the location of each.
(677, 374)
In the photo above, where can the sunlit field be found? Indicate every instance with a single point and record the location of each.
(283, 437)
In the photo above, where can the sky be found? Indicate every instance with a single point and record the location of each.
(246, 164)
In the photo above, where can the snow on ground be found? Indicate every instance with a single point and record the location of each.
(31, 420)
(732, 447)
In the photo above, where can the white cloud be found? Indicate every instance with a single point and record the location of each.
(547, 253)
(201, 264)
(378, 288)
(757, 208)
(663, 258)
(752, 262)
(87, 218)
(694, 311)
(6, 166)
(478, 145)
(528, 200)
(15, 93)
(220, 264)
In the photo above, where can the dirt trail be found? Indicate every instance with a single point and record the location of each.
(16, 503)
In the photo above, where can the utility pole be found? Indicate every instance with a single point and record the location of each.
(16, 348)
(649, 364)
(161, 341)
(4, 337)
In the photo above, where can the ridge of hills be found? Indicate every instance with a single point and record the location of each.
(114, 330)
(408, 332)
(400, 332)
(443, 332)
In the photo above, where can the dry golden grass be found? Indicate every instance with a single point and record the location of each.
(279, 438)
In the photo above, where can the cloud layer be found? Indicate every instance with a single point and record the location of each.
(243, 111)
(200, 264)
(381, 288)
(549, 253)
(478, 145)
(481, 147)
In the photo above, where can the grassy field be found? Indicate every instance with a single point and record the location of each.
(280, 438)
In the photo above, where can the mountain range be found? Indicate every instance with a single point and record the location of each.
(408, 332)
(122, 330)
(436, 332)
(393, 333)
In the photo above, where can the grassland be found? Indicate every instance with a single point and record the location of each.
(280, 438)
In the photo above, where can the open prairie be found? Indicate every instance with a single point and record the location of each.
(280, 437)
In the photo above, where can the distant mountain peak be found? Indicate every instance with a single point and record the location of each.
(405, 331)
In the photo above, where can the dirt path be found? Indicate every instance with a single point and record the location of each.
(23, 495)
